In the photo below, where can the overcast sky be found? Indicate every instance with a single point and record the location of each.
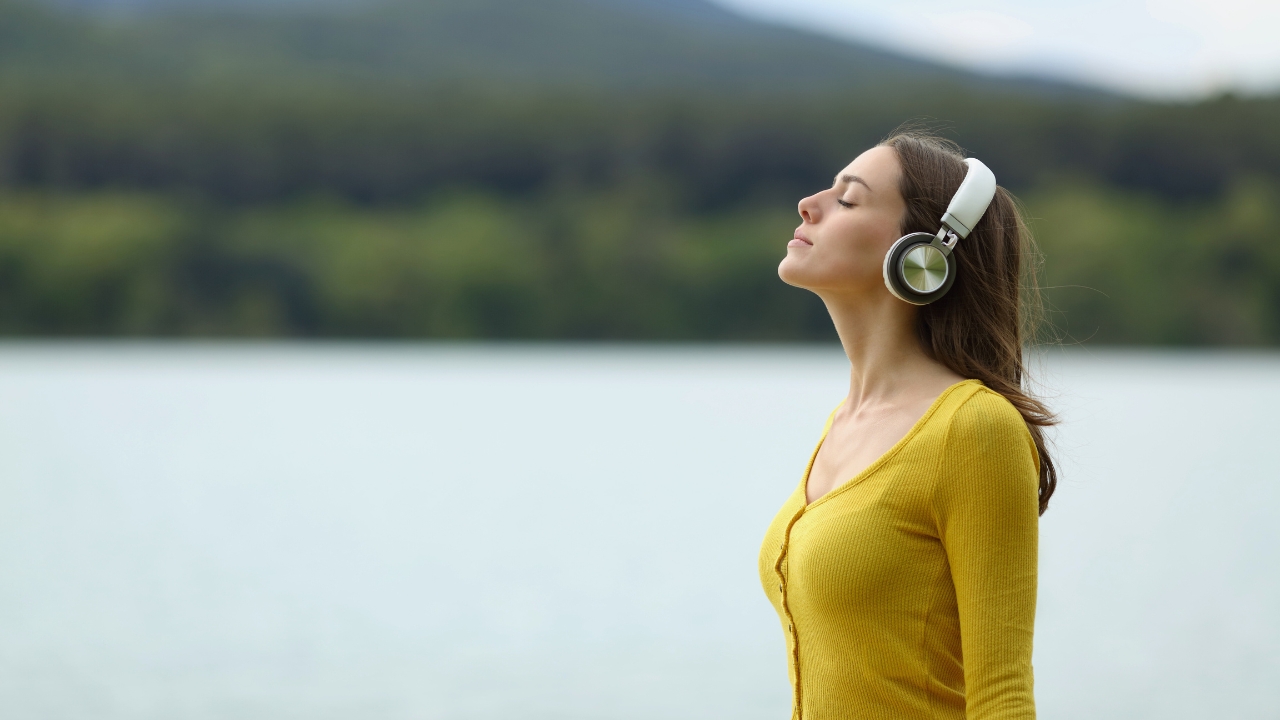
(1160, 48)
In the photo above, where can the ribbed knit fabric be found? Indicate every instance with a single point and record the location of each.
(909, 591)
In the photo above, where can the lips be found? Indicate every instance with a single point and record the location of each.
(799, 241)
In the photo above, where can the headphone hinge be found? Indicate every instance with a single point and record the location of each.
(945, 240)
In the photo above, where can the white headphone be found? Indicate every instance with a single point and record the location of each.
(919, 268)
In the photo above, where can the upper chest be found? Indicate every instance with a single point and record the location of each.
(854, 443)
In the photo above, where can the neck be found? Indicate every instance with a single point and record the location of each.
(886, 360)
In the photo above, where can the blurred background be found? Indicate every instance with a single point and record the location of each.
(427, 358)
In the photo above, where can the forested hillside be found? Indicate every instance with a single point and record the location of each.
(621, 169)
(616, 45)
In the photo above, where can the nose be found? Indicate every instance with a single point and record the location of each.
(809, 209)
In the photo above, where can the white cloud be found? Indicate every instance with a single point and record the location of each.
(980, 36)
(1239, 40)
(1150, 47)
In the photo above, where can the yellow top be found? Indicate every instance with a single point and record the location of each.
(910, 590)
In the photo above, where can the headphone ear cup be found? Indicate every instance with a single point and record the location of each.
(925, 269)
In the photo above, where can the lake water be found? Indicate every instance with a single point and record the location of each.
(569, 532)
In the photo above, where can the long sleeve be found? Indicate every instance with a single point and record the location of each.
(986, 508)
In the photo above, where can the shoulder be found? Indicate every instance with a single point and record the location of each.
(981, 409)
(985, 428)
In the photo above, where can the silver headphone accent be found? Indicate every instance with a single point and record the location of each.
(919, 268)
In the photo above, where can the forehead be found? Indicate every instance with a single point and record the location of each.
(878, 167)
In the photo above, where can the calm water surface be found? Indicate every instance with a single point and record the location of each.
(479, 532)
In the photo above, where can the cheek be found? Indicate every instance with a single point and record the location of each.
(860, 247)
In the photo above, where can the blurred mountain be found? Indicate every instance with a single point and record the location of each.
(580, 44)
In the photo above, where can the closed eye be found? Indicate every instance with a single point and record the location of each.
(846, 204)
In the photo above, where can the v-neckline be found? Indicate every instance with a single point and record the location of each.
(884, 457)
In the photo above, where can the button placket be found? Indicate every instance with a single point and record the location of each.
(792, 640)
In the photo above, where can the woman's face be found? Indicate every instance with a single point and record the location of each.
(846, 229)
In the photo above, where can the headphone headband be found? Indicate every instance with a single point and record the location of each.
(972, 199)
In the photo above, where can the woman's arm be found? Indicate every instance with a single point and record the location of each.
(987, 510)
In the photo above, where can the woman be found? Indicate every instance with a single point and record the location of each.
(903, 567)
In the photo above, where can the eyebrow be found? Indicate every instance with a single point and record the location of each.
(854, 179)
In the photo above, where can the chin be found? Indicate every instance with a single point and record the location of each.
(790, 274)
(794, 272)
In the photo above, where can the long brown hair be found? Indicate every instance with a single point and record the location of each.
(978, 328)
